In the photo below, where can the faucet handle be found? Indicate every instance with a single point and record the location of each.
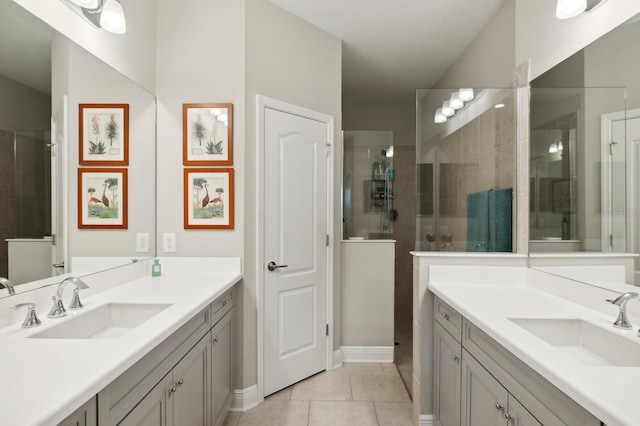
(75, 300)
(57, 310)
(32, 319)
(623, 298)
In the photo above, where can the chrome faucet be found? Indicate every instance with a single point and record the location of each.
(621, 301)
(8, 285)
(58, 310)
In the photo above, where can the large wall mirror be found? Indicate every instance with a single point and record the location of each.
(43, 84)
(585, 154)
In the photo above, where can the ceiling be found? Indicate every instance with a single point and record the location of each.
(26, 40)
(393, 47)
(390, 47)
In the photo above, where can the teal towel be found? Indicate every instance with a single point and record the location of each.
(478, 221)
(500, 203)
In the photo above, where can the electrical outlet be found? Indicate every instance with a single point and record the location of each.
(169, 242)
(142, 242)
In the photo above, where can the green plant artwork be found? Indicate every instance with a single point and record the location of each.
(97, 148)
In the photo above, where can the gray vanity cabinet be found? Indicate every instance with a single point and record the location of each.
(181, 397)
(487, 385)
(222, 367)
(485, 402)
(447, 355)
(87, 415)
(154, 409)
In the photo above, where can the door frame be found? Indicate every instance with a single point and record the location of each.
(606, 128)
(262, 103)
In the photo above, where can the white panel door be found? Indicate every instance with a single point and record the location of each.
(295, 286)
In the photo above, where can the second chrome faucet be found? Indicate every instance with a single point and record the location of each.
(58, 310)
(621, 301)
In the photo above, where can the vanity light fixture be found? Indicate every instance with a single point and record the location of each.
(447, 110)
(466, 95)
(499, 106)
(566, 9)
(106, 14)
(454, 101)
(439, 117)
(87, 4)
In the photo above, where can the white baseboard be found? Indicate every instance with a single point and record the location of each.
(337, 359)
(426, 420)
(367, 353)
(244, 399)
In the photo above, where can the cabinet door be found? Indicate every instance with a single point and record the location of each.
(222, 366)
(87, 415)
(518, 415)
(484, 400)
(191, 378)
(446, 378)
(154, 409)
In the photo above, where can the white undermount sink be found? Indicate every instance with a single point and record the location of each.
(105, 322)
(583, 341)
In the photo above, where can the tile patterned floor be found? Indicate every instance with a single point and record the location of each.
(354, 394)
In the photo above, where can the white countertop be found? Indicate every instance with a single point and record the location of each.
(45, 380)
(607, 392)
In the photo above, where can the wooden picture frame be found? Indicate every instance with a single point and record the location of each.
(104, 134)
(207, 134)
(106, 210)
(202, 208)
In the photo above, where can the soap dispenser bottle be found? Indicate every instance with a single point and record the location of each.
(156, 268)
(565, 228)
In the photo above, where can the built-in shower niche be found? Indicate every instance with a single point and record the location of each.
(368, 176)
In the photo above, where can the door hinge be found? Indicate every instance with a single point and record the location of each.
(327, 240)
(327, 330)
(611, 241)
(611, 144)
(53, 239)
(328, 149)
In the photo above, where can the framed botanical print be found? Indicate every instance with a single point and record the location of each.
(208, 198)
(207, 134)
(102, 198)
(104, 134)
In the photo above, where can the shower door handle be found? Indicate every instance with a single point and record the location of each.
(58, 265)
(272, 266)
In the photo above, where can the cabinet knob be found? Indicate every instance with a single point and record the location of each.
(499, 406)
(172, 389)
(224, 303)
(455, 357)
(215, 340)
(508, 417)
(445, 316)
(180, 382)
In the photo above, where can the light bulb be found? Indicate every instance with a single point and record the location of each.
(455, 101)
(566, 9)
(466, 94)
(559, 145)
(553, 148)
(447, 110)
(439, 117)
(87, 4)
(112, 17)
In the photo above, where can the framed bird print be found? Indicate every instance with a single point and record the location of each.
(208, 198)
(207, 134)
(102, 198)
(104, 134)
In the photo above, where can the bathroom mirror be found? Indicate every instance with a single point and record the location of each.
(584, 158)
(46, 79)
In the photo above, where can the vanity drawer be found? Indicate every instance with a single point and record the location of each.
(546, 402)
(121, 395)
(448, 317)
(222, 305)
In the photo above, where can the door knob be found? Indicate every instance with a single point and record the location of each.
(272, 266)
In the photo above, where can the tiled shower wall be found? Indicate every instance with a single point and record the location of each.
(25, 182)
(479, 156)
